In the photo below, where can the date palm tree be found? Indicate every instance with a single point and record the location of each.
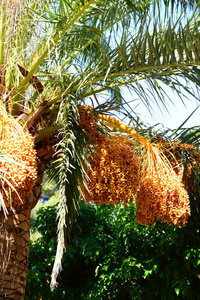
(58, 54)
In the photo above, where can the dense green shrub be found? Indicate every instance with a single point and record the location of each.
(110, 256)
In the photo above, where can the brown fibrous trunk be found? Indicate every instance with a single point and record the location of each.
(14, 247)
(14, 243)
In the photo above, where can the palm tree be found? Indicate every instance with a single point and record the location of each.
(58, 54)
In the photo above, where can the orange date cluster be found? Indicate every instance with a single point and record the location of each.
(114, 173)
(19, 171)
(117, 175)
(162, 196)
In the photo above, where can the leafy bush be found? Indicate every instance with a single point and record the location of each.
(110, 256)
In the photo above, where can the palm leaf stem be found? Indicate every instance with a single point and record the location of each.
(41, 134)
(12, 23)
(30, 119)
(36, 114)
(114, 123)
(169, 71)
(152, 155)
(118, 75)
(2, 34)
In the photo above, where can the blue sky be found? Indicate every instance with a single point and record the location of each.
(175, 116)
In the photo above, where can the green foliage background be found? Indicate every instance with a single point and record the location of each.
(111, 256)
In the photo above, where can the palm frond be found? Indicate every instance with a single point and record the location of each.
(145, 63)
(157, 57)
(70, 172)
(128, 51)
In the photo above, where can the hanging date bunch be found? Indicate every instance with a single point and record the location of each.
(114, 173)
(87, 122)
(117, 175)
(19, 170)
(162, 195)
(114, 169)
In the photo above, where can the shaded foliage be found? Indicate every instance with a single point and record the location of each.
(113, 257)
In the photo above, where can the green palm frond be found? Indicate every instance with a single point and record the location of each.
(141, 61)
(157, 56)
(96, 55)
(70, 173)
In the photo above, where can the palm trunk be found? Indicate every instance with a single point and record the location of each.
(14, 245)
(15, 236)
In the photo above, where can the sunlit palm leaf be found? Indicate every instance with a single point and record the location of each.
(147, 57)
(151, 54)
(69, 171)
